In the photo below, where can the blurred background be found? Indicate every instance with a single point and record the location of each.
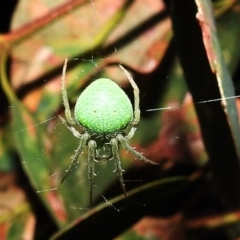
(184, 56)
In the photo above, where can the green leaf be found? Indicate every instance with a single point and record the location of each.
(140, 202)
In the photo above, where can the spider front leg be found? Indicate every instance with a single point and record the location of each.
(116, 158)
(136, 97)
(68, 113)
(72, 129)
(136, 117)
(74, 163)
(134, 123)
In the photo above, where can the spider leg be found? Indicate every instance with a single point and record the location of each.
(136, 97)
(74, 163)
(91, 159)
(72, 129)
(136, 118)
(68, 114)
(116, 158)
(131, 133)
(130, 149)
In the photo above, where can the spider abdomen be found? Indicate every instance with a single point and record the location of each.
(103, 107)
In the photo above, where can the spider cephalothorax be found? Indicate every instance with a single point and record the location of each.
(103, 110)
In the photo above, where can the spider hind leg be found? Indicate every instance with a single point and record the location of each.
(74, 163)
(130, 149)
(117, 161)
(92, 146)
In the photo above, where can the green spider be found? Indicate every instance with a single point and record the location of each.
(103, 111)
